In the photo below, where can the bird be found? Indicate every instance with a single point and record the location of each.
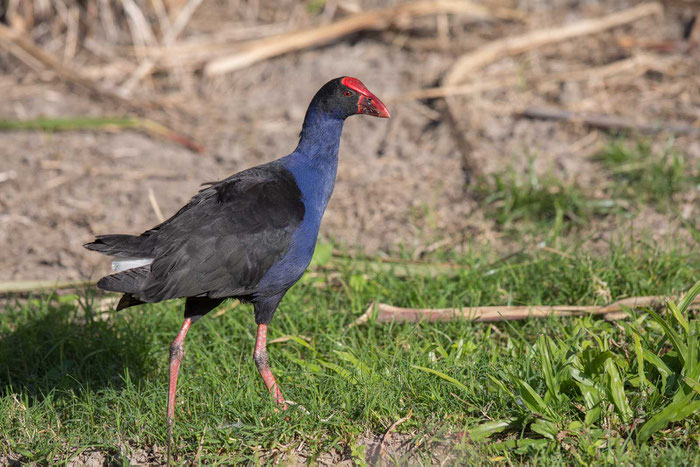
(250, 236)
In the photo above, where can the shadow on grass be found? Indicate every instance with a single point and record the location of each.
(61, 348)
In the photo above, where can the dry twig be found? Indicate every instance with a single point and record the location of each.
(171, 34)
(262, 49)
(388, 313)
(382, 444)
(467, 64)
(154, 204)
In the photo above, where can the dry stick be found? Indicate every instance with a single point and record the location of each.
(387, 313)
(192, 52)
(173, 31)
(513, 45)
(606, 122)
(154, 204)
(109, 25)
(20, 54)
(262, 49)
(17, 41)
(162, 15)
(141, 31)
(382, 444)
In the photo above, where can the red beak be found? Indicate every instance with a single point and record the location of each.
(370, 104)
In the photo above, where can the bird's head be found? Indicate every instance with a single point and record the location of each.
(346, 96)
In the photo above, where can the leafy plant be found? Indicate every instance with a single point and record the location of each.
(602, 377)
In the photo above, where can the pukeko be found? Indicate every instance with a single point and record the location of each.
(250, 236)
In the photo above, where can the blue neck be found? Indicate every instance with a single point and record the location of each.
(314, 162)
(320, 134)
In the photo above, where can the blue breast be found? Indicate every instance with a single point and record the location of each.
(314, 168)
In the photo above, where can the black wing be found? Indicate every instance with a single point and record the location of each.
(221, 243)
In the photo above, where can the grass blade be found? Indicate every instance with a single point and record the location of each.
(689, 297)
(443, 376)
(296, 339)
(533, 400)
(678, 315)
(340, 370)
(671, 334)
(545, 428)
(502, 386)
(487, 429)
(660, 366)
(692, 383)
(545, 359)
(643, 382)
(617, 390)
(673, 412)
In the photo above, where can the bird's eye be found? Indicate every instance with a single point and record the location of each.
(347, 93)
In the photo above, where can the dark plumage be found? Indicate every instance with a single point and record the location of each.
(250, 236)
(219, 245)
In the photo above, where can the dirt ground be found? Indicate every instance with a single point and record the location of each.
(400, 182)
(375, 450)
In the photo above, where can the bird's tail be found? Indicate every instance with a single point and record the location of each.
(128, 300)
(130, 281)
(132, 246)
(132, 266)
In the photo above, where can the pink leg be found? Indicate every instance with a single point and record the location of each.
(260, 357)
(177, 351)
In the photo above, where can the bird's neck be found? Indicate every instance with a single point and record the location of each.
(314, 163)
(320, 135)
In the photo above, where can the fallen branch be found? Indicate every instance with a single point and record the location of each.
(467, 64)
(607, 122)
(262, 49)
(388, 313)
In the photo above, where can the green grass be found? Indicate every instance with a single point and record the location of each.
(575, 390)
(632, 176)
(512, 197)
(637, 173)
